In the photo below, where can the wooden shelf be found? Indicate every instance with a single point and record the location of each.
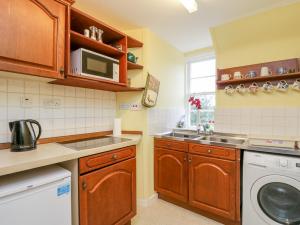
(81, 21)
(80, 40)
(133, 43)
(260, 79)
(95, 83)
(134, 66)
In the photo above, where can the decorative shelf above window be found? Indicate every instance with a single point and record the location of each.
(292, 67)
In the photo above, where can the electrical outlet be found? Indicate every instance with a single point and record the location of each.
(124, 106)
(135, 107)
(26, 102)
(48, 103)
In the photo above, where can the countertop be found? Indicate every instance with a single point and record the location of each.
(52, 153)
(273, 150)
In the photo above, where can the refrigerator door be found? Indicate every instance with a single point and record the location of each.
(47, 203)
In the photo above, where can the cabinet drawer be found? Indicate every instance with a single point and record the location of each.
(213, 151)
(171, 144)
(93, 162)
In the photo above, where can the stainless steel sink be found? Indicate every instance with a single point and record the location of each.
(214, 139)
(181, 135)
(228, 140)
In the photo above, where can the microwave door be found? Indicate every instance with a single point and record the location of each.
(96, 65)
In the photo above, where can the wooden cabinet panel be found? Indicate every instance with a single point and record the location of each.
(97, 161)
(171, 173)
(171, 144)
(33, 37)
(213, 151)
(108, 195)
(212, 185)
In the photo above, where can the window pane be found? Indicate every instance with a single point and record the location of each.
(203, 68)
(205, 117)
(203, 85)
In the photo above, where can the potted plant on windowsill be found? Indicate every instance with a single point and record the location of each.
(202, 124)
(196, 104)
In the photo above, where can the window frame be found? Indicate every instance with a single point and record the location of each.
(203, 57)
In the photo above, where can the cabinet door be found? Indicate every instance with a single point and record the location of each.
(32, 37)
(212, 184)
(108, 195)
(171, 173)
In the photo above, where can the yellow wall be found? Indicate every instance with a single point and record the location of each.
(264, 37)
(164, 62)
(167, 64)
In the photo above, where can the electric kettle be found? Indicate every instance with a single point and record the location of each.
(23, 137)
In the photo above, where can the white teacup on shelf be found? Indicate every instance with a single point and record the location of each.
(265, 71)
(237, 75)
(226, 77)
(282, 86)
(229, 89)
(241, 89)
(268, 87)
(296, 85)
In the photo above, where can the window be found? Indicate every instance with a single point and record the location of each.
(201, 83)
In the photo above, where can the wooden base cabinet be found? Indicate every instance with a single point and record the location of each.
(171, 173)
(212, 185)
(33, 36)
(205, 179)
(108, 195)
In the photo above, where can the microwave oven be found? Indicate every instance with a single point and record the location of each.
(88, 63)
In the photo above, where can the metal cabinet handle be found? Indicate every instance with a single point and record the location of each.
(62, 70)
(84, 185)
(190, 160)
(114, 157)
(209, 151)
(184, 158)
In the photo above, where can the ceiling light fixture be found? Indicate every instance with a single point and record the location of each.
(190, 5)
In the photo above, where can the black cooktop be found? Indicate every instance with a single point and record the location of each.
(93, 143)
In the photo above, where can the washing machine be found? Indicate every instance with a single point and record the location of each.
(271, 189)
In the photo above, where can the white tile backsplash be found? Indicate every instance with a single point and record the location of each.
(259, 121)
(81, 109)
(163, 119)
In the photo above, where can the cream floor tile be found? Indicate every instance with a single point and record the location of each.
(164, 213)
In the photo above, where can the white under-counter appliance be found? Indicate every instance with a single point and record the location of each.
(271, 189)
(88, 63)
(35, 197)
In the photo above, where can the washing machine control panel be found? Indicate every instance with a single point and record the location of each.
(263, 160)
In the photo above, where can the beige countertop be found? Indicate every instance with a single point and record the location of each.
(52, 153)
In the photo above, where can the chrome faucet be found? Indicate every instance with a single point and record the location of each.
(204, 128)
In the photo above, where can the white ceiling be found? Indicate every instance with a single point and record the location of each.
(170, 20)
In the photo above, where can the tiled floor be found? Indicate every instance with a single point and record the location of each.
(164, 213)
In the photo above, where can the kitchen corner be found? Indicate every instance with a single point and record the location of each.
(149, 112)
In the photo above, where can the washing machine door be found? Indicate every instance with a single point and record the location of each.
(276, 199)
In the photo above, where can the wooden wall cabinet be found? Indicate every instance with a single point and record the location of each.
(108, 195)
(33, 37)
(205, 179)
